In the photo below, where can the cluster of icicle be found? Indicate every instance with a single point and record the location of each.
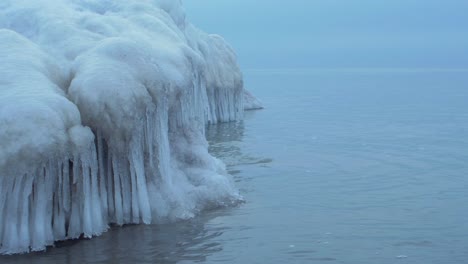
(103, 105)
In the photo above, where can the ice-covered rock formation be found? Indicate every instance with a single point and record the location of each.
(103, 105)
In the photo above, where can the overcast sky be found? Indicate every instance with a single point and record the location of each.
(339, 33)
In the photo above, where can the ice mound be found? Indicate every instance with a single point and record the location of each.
(251, 102)
(103, 106)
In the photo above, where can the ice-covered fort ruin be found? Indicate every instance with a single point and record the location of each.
(103, 106)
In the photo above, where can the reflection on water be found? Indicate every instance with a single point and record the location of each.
(183, 242)
(224, 140)
(225, 143)
(188, 241)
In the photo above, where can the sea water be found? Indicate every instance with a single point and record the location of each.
(342, 166)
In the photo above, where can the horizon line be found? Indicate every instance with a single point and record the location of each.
(354, 69)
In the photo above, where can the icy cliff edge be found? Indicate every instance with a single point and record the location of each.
(103, 106)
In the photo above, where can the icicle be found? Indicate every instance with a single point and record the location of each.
(59, 214)
(10, 236)
(103, 184)
(135, 207)
(25, 212)
(86, 200)
(37, 219)
(5, 187)
(99, 221)
(111, 189)
(126, 190)
(75, 223)
(139, 189)
(66, 202)
(119, 215)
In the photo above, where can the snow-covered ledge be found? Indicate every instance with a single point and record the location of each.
(103, 106)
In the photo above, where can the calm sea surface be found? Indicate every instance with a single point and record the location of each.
(341, 167)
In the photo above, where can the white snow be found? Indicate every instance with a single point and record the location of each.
(103, 106)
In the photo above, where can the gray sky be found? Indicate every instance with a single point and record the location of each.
(339, 33)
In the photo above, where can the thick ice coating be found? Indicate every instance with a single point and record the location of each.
(103, 106)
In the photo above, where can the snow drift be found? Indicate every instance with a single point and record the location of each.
(103, 106)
